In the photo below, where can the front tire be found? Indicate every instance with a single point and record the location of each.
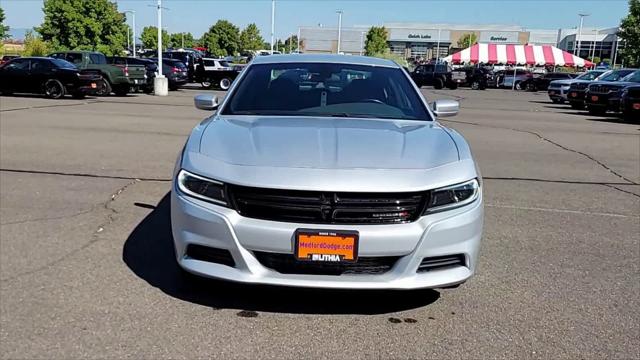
(577, 106)
(475, 85)
(518, 85)
(225, 84)
(596, 110)
(438, 84)
(206, 84)
(122, 90)
(54, 89)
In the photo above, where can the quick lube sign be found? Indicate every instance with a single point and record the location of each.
(418, 35)
(499, 37)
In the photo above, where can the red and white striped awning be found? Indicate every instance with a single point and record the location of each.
(516, 55)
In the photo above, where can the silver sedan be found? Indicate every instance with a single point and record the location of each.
(327, 171)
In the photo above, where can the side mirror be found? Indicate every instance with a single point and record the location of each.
(206, 102)
(445, 108)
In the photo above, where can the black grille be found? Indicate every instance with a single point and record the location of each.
(209, 254)
(579, 86)
(327, 207)
(287, 264)
(441, 262)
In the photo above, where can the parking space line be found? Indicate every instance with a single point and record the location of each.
(560, 211)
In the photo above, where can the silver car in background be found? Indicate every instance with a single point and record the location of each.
(327, 171)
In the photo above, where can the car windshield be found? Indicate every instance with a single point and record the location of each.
(633, 77)
(590, 75)
(615, 75)
(63, 64)
(326, 90)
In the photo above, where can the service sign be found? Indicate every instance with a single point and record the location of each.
(419, 35)
(499, 37)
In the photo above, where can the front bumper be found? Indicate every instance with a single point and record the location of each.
(576, 96)
(610, 101)
(558, 93)
(451, 232)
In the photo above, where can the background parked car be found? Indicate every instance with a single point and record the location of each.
(6, 58)
(215, 76)
(508, 79)
(541, 82)
(188, 57)
(150, 66)
(175, 71)
(558, 90)
(630, 103)
(114, 78)
(604, 94)
(436, 75)
(478, 78)
(54, 78)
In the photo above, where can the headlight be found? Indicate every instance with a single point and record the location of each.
(452, 197)
(201, 188)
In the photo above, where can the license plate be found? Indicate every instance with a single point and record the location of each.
(94, 85)
(574, 94)
(326, 245)
(594, 98)
(636, 106)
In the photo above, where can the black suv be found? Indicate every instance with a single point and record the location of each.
(604, 94)
(436, 75)
(630, 103)
(536, 83)
(578, 88)
(188, 57)
(478, 78)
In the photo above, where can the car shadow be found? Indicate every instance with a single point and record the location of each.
(41, 96)
(149, 253)
(608, 117)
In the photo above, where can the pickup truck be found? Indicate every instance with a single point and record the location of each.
(210, 73)
(119, 79)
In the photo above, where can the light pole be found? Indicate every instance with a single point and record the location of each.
(593, 52)
(298, 44)
(133, 20)
(582, 16)
(273, 22)
(160, 83)
(339, 28)
(361, 42)
(438, 46)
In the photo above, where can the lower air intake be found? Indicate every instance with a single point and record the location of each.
(209, 254)
(441, 262)
(287, 264)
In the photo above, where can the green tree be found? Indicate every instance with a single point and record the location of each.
(210, 41)
(291, 43)
(149, 38)
(34, 45)
(630, 34)
(176, 40)
(4, 30)
(466, 40)
(376, 42)
(84, 25)
(250, 38)
(227, 37)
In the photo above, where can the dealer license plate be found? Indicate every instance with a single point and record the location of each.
(94, 85)
(326, 245)
(594, 98)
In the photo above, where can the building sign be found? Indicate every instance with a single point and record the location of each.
(499, 37)
(419, 35)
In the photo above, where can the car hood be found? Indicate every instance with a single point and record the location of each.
(562, 82)
(327, 143)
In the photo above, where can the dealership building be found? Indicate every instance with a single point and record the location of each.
(416, 40)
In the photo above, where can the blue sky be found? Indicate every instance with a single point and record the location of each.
(196, 16)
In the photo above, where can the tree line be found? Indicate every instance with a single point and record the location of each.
(98, 25)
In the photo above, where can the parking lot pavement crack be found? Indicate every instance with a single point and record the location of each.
(49, 106)
(556, 144)
(110, 218)
(115, 177)
(568, 211)
(621, 190)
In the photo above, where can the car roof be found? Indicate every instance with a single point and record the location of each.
(325, 58)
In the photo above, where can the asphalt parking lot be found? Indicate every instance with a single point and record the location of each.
(87, 269)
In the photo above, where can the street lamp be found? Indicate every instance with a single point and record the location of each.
(582, 16)
(133, 19)
(160, 83)
(339, 12)
(273, 22)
